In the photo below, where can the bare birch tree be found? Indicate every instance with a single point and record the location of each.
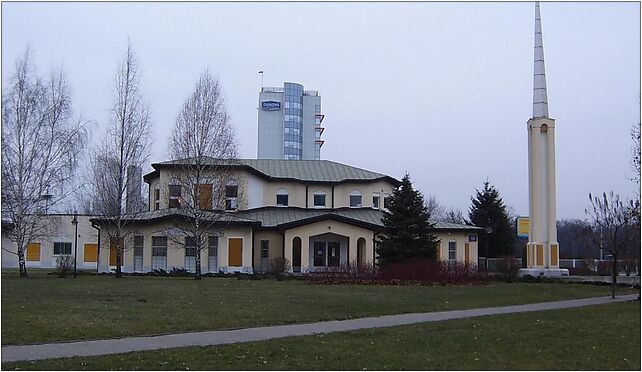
(454, 216)
(41, 145)
(204, 139)
(126, 143)
(614, 222)
(435, 209)
(635, 152)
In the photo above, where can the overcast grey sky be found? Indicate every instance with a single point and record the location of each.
(440, 90)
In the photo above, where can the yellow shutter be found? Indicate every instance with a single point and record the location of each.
(235, 251)
(91, 252)
(205, 196)
(33, 252)
(554, 258)
(438, 251)
(467, 252)
(113, 249)
(540, 255)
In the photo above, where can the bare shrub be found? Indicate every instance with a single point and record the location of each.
(410, 272)
(64, 265)
(279, 267)
(508, 268)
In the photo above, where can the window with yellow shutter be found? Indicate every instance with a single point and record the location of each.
(33, 252)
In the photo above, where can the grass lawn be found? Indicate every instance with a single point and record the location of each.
(45, 308)
(600, 337)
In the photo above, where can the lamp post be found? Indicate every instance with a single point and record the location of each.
(488, 231)
(75, 223)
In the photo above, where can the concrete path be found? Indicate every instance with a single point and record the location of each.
(124, 345)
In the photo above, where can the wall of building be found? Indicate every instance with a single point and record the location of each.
(329, 226)
(342, 193)
(175, 250)
(62, 230)
(270, 128)
(309, 123)
(275, 243)
(461, 238)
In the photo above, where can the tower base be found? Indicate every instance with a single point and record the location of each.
(547, 273)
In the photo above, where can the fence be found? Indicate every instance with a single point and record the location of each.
(580, 266)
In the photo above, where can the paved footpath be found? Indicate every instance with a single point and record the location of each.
(124, 345)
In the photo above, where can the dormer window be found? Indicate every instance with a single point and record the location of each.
(282, 198)
(156, 198)
(319, 199)
(386, 201)
(231, 195)
(174, 196)
(355, 198)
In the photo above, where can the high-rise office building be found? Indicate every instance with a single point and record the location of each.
(289, 123)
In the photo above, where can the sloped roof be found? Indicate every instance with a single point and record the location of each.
(285, 217)
(325, 171)
(212, 216)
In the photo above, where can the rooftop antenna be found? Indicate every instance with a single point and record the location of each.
(261, 73)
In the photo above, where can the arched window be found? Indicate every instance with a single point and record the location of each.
(355, 198)
(282, 198)
(296, 254)
(319, 199)
(361, 251)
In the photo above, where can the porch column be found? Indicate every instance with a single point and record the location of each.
(369, 253)
(288, 249)
(352, 249)
(305, 254)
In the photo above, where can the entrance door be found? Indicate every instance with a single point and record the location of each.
(235, 252)
(265, 255)
(296, 255)
(333, 254)
(114, 250)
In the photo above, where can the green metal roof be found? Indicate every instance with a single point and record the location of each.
(284, 217)
(299, 170)
(277, 217)
(212, 216)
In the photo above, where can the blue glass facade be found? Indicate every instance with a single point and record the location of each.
(293, 121)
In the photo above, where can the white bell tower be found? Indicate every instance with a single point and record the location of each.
(542, 251)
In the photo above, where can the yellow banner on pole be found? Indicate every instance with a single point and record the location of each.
(523, 225)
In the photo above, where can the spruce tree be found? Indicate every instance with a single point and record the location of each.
(488, 210)
(406, 227)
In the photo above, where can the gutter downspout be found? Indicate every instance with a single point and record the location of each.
(283, 245)
(332, 196)
(306, 196)
(98, 250)
(252, 250)
(374, 250)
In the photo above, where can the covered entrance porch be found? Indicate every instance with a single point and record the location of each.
(327, 243)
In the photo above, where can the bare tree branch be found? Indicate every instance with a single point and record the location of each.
(41, 145)
(616, 224)
(126, 144)
(204, 138)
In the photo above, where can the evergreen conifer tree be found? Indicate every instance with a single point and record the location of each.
(406, 227)
(488, 210)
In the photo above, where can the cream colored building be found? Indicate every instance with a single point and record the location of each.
(58, 241)
(314, 213)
